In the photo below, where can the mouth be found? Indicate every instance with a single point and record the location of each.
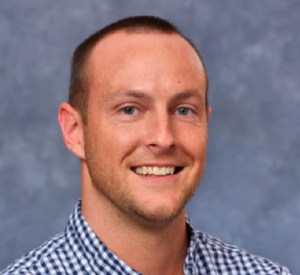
(155, 171)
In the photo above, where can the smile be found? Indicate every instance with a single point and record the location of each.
(156, 171)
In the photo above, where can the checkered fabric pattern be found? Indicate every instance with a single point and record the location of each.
(79, 251)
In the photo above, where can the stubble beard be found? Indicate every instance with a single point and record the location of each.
(116, 191)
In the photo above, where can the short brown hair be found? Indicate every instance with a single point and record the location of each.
(79, 82)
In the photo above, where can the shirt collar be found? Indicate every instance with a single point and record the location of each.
(93, 251)
(97, 255)
(190, 260)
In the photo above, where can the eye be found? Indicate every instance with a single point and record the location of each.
(128, 110)
(184, 111)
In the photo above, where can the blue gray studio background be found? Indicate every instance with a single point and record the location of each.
(250, 195)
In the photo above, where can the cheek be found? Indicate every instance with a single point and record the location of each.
(116, 141)
(192, 140)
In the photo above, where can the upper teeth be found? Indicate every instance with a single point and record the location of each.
(157, 171)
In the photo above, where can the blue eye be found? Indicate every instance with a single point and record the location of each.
(128, 110)
(183, 111)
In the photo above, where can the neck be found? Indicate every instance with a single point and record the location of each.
(155, 248)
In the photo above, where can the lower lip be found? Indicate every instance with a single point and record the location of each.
(159, 179)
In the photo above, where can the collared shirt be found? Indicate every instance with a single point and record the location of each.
(79, 251)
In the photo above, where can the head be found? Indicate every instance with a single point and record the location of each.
(79, 79)
(138, 117)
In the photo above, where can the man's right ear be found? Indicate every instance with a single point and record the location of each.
(71, 126)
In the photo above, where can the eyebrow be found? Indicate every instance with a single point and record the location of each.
(186, 95)
(143, 95)
(132, 93)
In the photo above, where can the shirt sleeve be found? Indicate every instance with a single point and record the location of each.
(285, 271)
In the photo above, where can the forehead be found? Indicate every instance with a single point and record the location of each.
(144, 61)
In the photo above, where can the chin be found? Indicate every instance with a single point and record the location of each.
(158, 213)
(160, 208)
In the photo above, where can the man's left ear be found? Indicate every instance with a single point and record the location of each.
(208, 112)
(71, 126)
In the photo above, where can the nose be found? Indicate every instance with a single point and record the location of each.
(160, 133)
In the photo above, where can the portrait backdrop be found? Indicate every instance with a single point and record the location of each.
(250, 194)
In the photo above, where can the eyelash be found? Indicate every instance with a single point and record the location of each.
(133, 109)
(186, 108)
(127, 107)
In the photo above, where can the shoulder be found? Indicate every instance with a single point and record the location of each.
(32, 262)
(230, 258)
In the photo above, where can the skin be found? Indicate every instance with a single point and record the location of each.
(146, 107)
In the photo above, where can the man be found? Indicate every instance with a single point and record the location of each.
(137, 118)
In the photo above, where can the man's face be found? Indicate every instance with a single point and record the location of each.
(146, 135)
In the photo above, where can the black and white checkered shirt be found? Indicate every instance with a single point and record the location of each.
(79, 251)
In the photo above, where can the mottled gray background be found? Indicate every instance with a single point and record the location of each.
(250, 195)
